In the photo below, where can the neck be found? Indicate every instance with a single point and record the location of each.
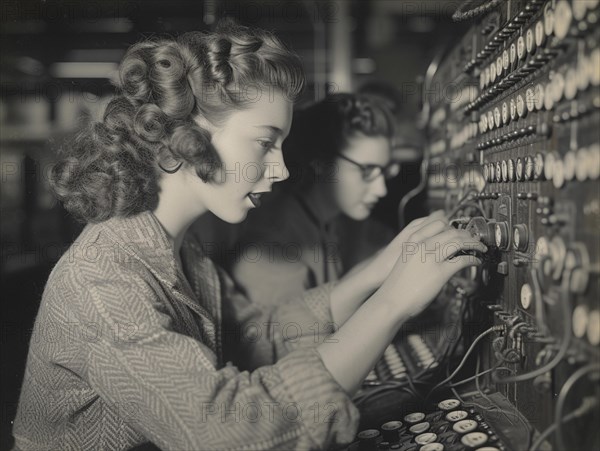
(319, 201)
(173, 210)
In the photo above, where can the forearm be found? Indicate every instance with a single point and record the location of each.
(352, 290)
(353, 350)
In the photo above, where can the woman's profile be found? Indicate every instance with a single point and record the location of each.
(139, 336)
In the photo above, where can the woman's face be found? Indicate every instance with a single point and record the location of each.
(249, 145)
(352, 195)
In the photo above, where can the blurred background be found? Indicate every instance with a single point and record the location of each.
(59, 62)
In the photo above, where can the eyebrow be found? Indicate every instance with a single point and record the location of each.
(271, 128)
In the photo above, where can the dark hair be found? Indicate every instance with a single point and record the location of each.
(324, 129)
(111, 168)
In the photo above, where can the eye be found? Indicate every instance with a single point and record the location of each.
(265, 144)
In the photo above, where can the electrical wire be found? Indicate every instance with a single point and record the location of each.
(460, 15)
(564, 345)
(462, 363)
(586, 405)
(562, 397)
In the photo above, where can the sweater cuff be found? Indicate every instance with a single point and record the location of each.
(325, 409)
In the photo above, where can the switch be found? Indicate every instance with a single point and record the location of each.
(538, 166)
(593, 329)
(414, 417)
(580, 320)
(569, 163)
(419, 428)
(501, 235)
(526, 296)
(520, 237)
(511, 170)
(391, 431)
(465, 426)
(528, 168)
(519, 169)
(582, 163)
(563, 18)
(474, 439)
(424, 439)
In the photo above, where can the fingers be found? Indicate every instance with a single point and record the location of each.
(438, 214)
(459, 263)
(430, 228)
(452, 242)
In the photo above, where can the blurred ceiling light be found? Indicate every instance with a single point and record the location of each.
(363, 65)
(110, 25)
(421, 24)
(84, 70)
(30, 66)
(100, 55)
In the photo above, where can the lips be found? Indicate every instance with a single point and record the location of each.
(255, 198)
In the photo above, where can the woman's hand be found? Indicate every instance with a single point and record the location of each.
(427, 261)
(380, 266)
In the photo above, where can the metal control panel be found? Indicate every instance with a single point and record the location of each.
(514, 157)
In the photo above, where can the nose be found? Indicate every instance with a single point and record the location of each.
(275, 168)
(377, 186)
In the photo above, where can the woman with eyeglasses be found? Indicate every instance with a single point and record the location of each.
(338, 154)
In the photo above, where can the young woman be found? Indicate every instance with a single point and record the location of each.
(339, 152)
(136, 328)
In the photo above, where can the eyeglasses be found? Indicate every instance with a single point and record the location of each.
(370, 172)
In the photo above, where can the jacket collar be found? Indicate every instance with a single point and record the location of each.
(143, 237)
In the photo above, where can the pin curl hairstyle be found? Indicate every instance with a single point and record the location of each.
(112, 167)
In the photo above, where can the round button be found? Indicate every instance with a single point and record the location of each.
(511, 170)
(569, 165)
(513, 109)
(580, 320)
(368, 434)
(563, 17)
(505, 115)
(594, 67)
(465, 426)
(484, 123)
(513, 53)
(497, 117)
(594, 159)
(481, 80)
(583, 80)
(492, 169)
(538, 166)
(548, 19)
(414, 417)
(498, 172)
(519, 167)
(526, 296)
(520, 237)
(432, 447)
(593, 329)
(486, 173)
(504, 171)
(539, 97)
(581, 168)
(520, 106)
(558, 173)
(424, 439)
(579, 10)
(571, 84)
(549, 165)
(490, 115)
(558, 87)
(529, 41)
(448, 404)
(505, 60)
(540, 36)
(501, 234)
(499, 66)
(474, 439)
(520, 47)
(492, 72)
(486, 75)
(456, 415)
(528, 168)
(530, 99)
(549, 96)
(419, 428)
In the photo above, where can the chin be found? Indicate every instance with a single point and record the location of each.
(232, 217)
(358, 213)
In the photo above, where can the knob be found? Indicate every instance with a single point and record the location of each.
(526, 296)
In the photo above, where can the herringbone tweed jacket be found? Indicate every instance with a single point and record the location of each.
(126, 351)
